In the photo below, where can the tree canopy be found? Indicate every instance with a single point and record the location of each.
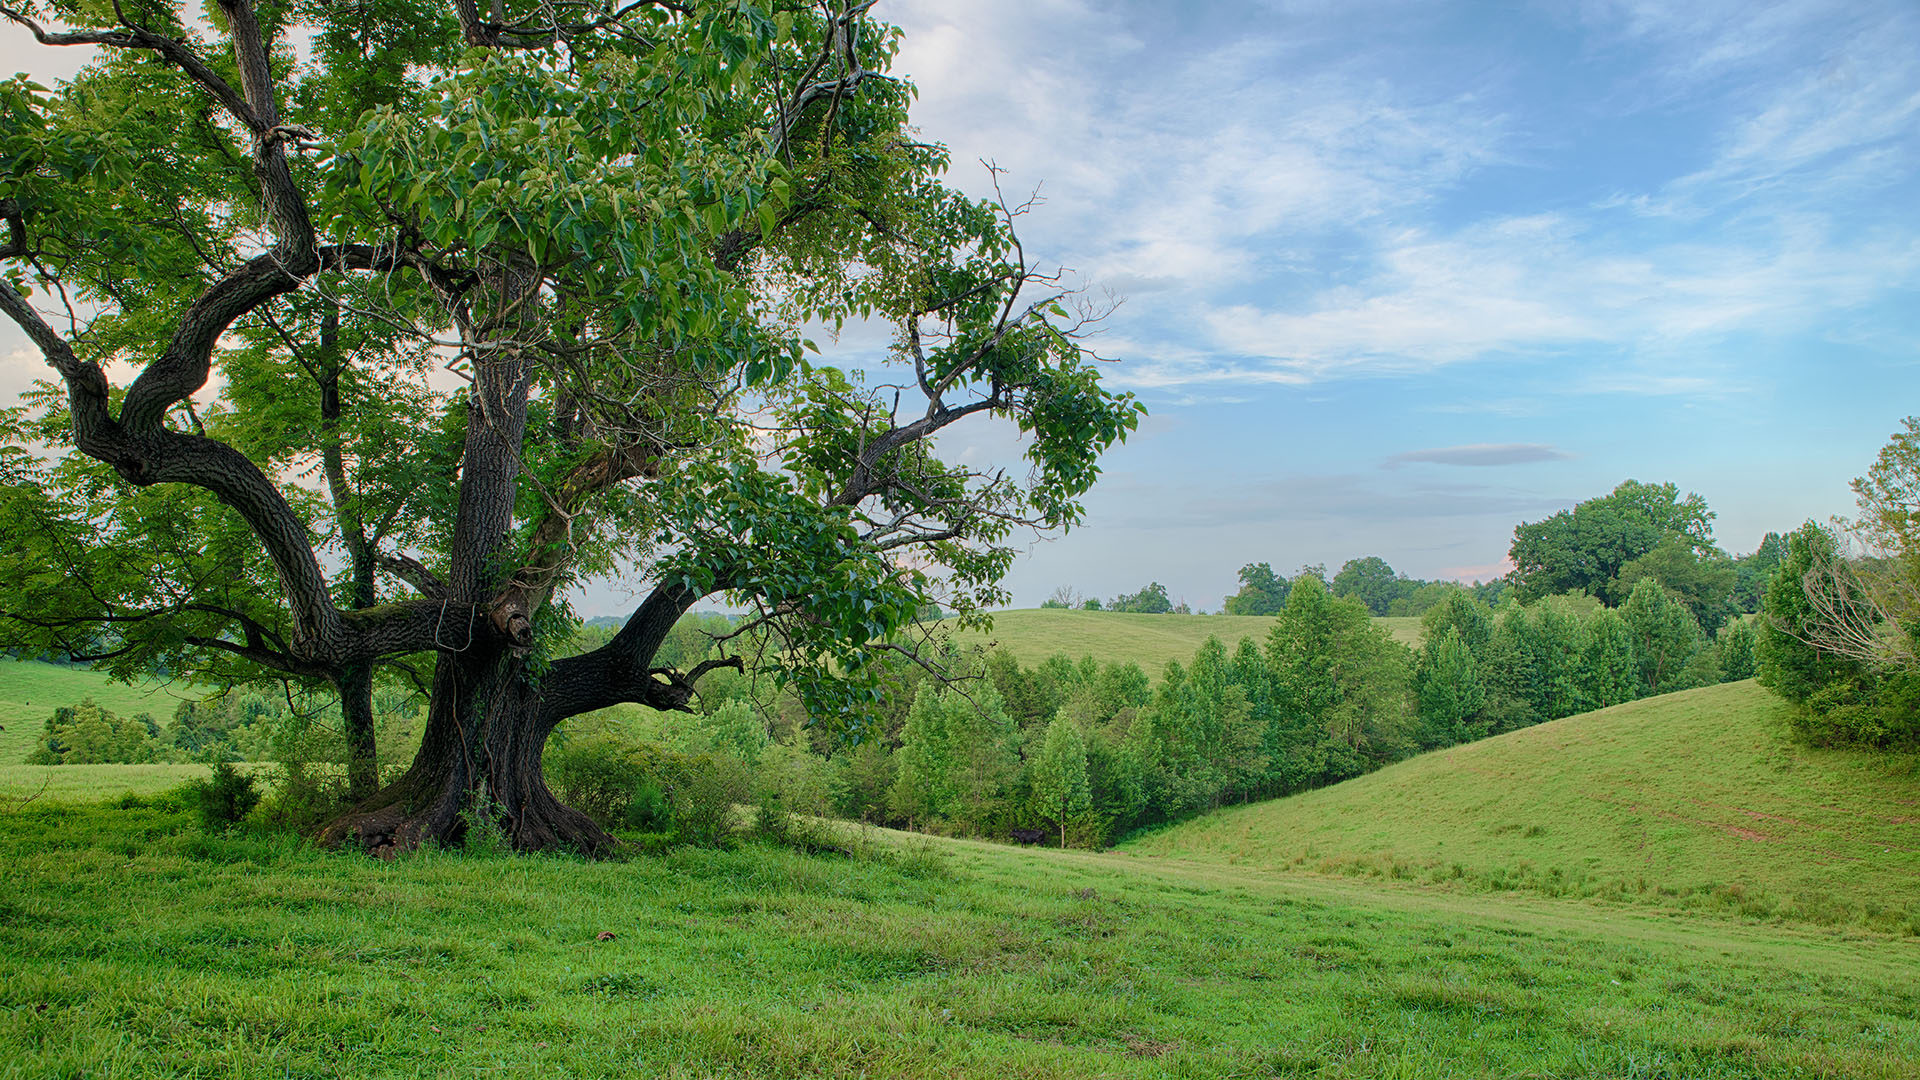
(613, 224)
(1262, 592)
(1369, 580)
(1586, 548)
(1150, 600)
(1841, 633)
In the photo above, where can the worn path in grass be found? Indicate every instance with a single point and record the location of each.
(138, 947)
(1698, 798)
(1837, 948)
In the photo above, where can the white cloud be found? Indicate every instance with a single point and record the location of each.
(1536, 285)
(1272, 205)
(1166, 165)
(1481, 455)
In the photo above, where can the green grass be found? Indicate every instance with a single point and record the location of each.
(94, 783)
(138, 947)
(1032, 635)
(31, 690)
(1690, 799)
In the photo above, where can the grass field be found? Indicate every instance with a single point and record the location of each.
(138, 947)
(93, 783)
(30, 691)
(1697, 798)
(1034, 634)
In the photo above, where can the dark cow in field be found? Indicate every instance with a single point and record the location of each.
(1029, 836)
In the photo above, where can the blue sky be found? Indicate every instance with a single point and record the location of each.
(1398, 275)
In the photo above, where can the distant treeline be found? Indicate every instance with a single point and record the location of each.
(1603, 548)
(239, 725)
(1264, 592)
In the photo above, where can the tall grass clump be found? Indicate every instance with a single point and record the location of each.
(226, 797)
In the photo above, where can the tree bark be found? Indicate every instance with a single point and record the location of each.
(355, 686)
(354, 682)
(487, 729)
(479, 762)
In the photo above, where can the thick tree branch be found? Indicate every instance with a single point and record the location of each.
(863, 482)
(174, 52)
(94, 428)
(171, 457)
(183, 367)
(619, 671)
(412, 626)
(415, 573)
(549, 547)
(139, 446)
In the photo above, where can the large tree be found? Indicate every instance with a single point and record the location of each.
(1586, 547)
(1372, 582)
(612, 221)
(1262, 592)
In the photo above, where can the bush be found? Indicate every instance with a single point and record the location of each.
(599, 775)
(481, 829)
(706, 792)
(694, 798)
(304, 799)
(647, 810)
(226, 797)
(86, 734)
(775, 824)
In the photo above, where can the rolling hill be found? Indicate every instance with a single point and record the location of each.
(1033, 634)
(1697, 799)
(31, 690)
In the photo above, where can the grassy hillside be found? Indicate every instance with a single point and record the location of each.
(1117, 637)
(138, 947)
(30, 691)
(1697, 798)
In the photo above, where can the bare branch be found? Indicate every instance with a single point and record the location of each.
(1857, 608)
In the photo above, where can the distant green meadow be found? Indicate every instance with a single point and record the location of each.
(95, 783)
(30, 691)
(1034, 634)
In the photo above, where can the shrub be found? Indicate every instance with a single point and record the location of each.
(599, 774)
(705, 792)
(303, 799)
(694, 798)
(86, 734)
(481, 832)
(226, 797)
(647, 810)
(775, 824)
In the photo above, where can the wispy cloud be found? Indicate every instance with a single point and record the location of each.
(1481, 454)
(1541, 285)
(1274, 204)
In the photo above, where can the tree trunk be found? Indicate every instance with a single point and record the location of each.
(479, 765)
(355, 684)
